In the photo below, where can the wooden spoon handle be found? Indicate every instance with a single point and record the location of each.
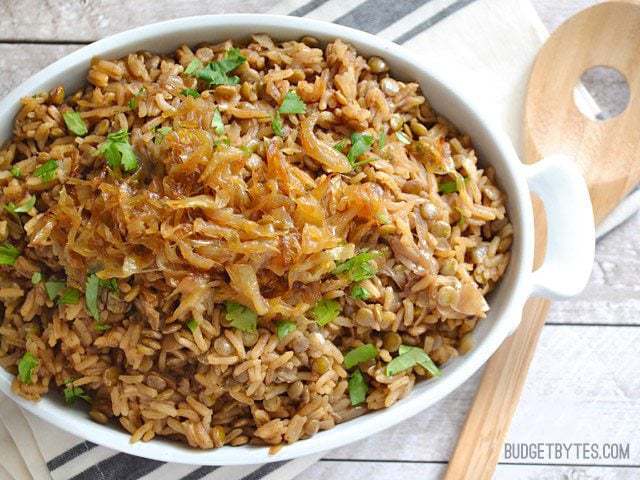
(478, 449)
(606, 34)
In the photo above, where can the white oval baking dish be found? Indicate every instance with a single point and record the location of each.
(558, 181)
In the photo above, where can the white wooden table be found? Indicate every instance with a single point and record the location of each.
(584, 384)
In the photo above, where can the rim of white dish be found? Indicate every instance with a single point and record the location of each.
(372, 423)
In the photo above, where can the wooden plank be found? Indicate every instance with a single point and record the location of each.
(88, 21)
(19, 62)
(613, 293)
(428, 471)
(575, 392)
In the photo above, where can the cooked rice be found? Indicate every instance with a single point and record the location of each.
(204, 221)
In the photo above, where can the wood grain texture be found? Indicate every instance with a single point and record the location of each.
(89, 20)
(429, 471)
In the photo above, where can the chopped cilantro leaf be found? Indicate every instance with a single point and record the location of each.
(8, 254)
(284, 328)
(448, 187)
(24, 207)
(27, 364)
(75, 123)
(190, 92)
(276, 124)
(408, 358)
(357, 388)
(192, 324)
(101, 327)
(292, 103)
(71, 394)
(359, 292)
(69, 296)
(46, 171)
(360, 144)
(194, 66)
(53, 288)
(359, 355)
(215, 73)
(118, 152)
(241, 317)
(216, 123)
(359, 267)
(325, 311)
(160, 133)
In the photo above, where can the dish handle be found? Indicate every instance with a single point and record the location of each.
(570, 250)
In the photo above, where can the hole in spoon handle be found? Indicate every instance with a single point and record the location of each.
(607, 35)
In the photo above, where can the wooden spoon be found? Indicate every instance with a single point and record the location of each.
(607, 34)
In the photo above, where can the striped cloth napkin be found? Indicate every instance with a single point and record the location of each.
(485, 46)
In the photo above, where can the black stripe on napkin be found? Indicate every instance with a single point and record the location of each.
(199, 473)
(309, 7)
(69, 455)
(264, 470)
(120, 467)
(374, 16)
(431, 21)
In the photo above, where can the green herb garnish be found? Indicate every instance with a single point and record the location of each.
(358, 292)
(8, 254)
(15, 172)
(194, 67)
(216, 73)
(357, 388)
(292, 103)
(448, 187)
(27, 364)
(190, 92)
(216, 123)
(340, 146)
(360, 144)
(241, 317)
(359, 355)
(276, 124)
(69, 296)
(118, 152)
(133, 101)
(75, 123)
(160, 133)
(92, 293)
(24, 207)
(325, 311)
(192, 324)
(101, 327)
(53, 288)
(284, 328)
(408, 358)
(71, 394)
(46, 171)
(359, 267)
(36, 278)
